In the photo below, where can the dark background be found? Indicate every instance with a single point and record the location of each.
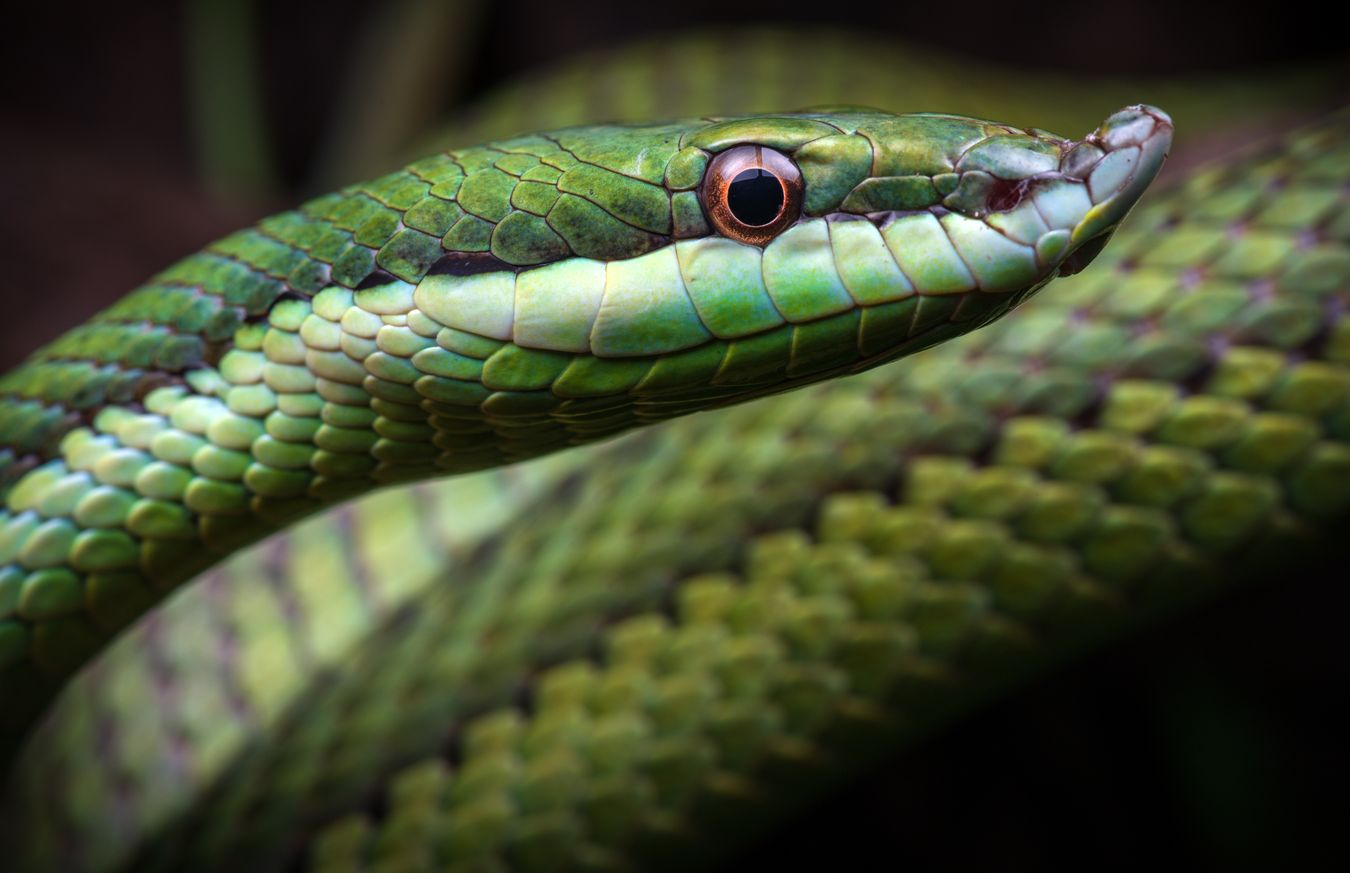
(1216, 741)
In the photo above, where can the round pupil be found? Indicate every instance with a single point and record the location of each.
(755, 197)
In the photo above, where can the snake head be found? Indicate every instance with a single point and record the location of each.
(716, 259)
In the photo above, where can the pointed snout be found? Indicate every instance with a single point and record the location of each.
(1118, 161)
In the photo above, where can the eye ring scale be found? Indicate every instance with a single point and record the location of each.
(752, 193)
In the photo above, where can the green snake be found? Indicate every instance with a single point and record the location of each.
(631, 652)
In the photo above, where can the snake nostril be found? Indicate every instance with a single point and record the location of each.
(1006, 194)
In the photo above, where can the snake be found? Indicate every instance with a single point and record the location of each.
(638, 655)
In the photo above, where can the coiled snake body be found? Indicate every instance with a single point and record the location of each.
(663, 639)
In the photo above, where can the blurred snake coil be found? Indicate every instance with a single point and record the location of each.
(632, 656)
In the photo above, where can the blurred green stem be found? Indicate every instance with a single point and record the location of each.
(234, 150)
(408, 64)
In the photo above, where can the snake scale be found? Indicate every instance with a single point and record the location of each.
(636, 655)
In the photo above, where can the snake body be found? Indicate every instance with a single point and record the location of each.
(815, 570)
(492, 304)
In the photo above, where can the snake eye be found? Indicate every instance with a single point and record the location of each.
(751, 193)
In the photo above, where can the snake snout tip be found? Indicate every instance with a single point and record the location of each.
(1137, 125)
(1163, 127)
(1159, 115)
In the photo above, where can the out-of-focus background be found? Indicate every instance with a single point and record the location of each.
(135, 133)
